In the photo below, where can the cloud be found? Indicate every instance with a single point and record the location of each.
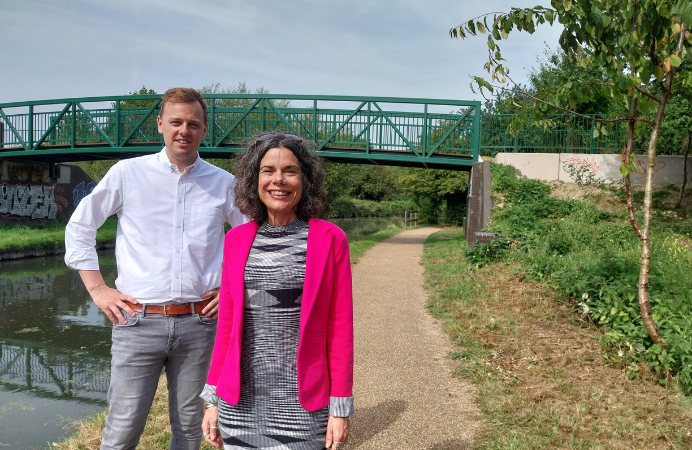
(57, 49)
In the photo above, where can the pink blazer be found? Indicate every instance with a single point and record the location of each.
(325, 347)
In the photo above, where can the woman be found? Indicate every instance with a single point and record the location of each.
(282, 369)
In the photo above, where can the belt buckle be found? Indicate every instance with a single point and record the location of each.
(165, 311)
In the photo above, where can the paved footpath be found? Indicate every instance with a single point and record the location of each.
(405, 395)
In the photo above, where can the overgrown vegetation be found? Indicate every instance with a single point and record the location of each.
(542, 381)
(591, 257)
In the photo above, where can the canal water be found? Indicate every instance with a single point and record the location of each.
(55, 346)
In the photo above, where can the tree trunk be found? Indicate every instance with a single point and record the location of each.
(626, 157)
(645, 267)
(684, 168)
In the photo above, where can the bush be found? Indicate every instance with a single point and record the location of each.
(345, 207)
(592, 258)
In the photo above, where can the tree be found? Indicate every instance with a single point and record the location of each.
(431, 189)
(640, 45)
(215, 88)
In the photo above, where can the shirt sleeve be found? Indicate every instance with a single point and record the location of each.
(80, 234)
(340, 406)
(209, 394)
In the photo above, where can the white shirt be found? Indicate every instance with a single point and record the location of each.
(169, 241)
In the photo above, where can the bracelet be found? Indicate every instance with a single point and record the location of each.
(208, 405)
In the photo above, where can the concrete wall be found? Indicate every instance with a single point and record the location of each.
(551, 166)
(30, 192)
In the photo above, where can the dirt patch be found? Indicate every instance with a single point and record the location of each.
(612, 197)
(554, 359)
(597, 196)
(543, 380)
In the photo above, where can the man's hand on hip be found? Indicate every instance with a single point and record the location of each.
(212, 309)
(109, 300)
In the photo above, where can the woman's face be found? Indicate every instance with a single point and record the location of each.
(280, 185)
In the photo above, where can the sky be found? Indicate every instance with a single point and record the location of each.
(51, 49)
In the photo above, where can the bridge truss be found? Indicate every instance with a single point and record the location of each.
(367, 130)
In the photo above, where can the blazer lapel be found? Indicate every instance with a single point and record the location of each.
(319, 243)
(242, 245)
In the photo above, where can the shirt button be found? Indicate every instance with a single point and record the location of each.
(178, 226)
(177, 251)
(177, 276)
(180, 201)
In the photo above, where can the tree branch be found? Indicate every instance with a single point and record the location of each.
(646, 94)
(569, 111)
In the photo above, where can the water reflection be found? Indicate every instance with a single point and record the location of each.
(54, 349)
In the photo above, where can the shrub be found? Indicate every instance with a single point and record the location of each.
(592, 258)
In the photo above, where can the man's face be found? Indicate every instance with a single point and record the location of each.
(183, 127)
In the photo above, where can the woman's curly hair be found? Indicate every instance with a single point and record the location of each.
(312, 200)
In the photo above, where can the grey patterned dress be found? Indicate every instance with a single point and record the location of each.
(269, 415)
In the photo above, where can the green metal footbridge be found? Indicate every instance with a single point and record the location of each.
(367, 130)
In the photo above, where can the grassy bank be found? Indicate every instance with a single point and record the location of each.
(157, 432)
(543, 379)
(46, 236)
(587, 251)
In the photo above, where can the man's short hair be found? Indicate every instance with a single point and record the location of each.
(183, 95)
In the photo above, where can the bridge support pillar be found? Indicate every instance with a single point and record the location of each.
(478, 204)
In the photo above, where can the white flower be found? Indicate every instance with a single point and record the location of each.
(585, 296)
(621, 353)
(584, 307)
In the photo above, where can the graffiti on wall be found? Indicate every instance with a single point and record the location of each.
(81, 190)
(578, 163)
(27, 172)
(643, 166)
(31, 201)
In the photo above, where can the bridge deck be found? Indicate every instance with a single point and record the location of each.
(367, 130)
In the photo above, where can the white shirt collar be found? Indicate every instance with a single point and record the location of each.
(168, 165)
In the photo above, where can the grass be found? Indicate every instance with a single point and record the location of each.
(157, 433)
(543, 381)
(46, 236)
(590, 256)
(358, 247)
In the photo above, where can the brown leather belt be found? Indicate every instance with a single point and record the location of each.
(171, 310)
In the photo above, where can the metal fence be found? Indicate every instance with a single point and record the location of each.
(555, 134)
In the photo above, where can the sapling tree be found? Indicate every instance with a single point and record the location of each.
(639, 44)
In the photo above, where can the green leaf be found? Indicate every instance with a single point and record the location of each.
(549, 15)
(625, 170)
(472, 28)
(658, 73)
(567, 4)
(491, 43)
(595, 134)
(675, 61)
(480, 27)
(496, 34)
(623, 83)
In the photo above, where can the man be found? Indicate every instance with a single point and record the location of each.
(171, 207)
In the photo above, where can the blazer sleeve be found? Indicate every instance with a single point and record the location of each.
(340, 321)
(225, 323)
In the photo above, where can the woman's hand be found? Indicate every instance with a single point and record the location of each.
(337, 432)
(210, 427)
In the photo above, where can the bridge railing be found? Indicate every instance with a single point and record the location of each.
(559, 133)
(383, 128)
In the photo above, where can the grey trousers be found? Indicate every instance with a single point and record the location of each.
(141, 349)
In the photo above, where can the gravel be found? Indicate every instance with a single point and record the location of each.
(405, 395)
